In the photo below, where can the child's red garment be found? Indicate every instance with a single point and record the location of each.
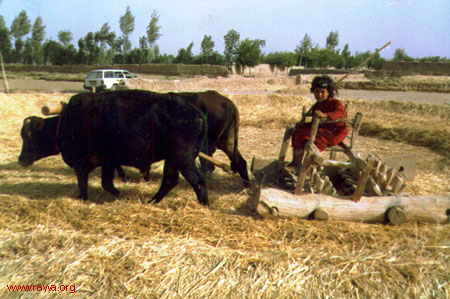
(327, 134)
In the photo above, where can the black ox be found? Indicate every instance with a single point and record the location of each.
(222, 118)
(130, 128)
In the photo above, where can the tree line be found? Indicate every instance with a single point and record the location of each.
(105, 47)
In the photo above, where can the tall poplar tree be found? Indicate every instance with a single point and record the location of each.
(231, 42)
(20, 27)
(37, 37)
(207, 47)
(127, 27)
(5, 40)
(153, 35)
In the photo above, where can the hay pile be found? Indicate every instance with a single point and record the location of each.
(178, 248)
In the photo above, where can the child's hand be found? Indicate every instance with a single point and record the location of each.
(320, 114)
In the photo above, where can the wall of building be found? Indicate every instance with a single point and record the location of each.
(154, 69)
(413, 68)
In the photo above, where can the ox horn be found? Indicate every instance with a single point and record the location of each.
(52, 109)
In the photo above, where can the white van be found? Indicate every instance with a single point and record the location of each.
(107, 79)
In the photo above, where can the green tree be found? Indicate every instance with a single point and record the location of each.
(164, 58)
(88, 50)
(375, 62)
(359, 58)
(105, 37)
(400, 55)
(153, 35)
(5, 41)
(207, 47)
(185, 56)
(434, 59)
(303, 49)
(118, 52)
(249, 52)
(37, 37)
(144, 52)
(58, 54)
(231, 42)
(27, 53)
(65, 37)
(127, 27)
(20, 27)
(281, 60)
(332, 40)
(345, 54)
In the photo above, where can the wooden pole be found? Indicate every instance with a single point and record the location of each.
(216, 162)
(427, 208)
(348, 74)
(5, 81)
(362, 63)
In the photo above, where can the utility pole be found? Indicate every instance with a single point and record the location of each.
(5, 82)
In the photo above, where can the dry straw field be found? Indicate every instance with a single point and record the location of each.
(109, 248)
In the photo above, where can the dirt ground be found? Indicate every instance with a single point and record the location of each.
(121, 248)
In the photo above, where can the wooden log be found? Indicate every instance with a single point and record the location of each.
(397, 184)
(372, 188)
(285, 143)
(320, 214)
(317, 183)
(361, 185)
(384, 168)
(339, 164)
(396, 215)
(306, 164)
(52, 109)
(312, 175)
(389, 176)
(429, 208)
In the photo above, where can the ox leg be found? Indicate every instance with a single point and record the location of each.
(121, 173)
(107, 180)
(192, 174)
(146, 174)
(82, 178)
(170, 180)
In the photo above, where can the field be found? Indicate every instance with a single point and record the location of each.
(108, 248)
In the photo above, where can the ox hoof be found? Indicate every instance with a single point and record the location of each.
(82, 196)
(246, 184)
(153, 201)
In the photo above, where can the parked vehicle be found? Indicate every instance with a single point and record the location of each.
(107, 79)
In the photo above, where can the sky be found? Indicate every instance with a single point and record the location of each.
(420, 27)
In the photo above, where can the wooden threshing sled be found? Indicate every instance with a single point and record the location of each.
(362, 190)
(357, 190)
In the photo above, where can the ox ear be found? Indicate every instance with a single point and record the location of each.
(38, 124)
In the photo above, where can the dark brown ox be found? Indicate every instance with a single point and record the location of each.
(129, 127)
(222, 118)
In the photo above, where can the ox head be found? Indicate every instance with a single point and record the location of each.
(39, 139)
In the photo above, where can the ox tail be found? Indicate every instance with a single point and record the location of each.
(204, 129)
(235, 138)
